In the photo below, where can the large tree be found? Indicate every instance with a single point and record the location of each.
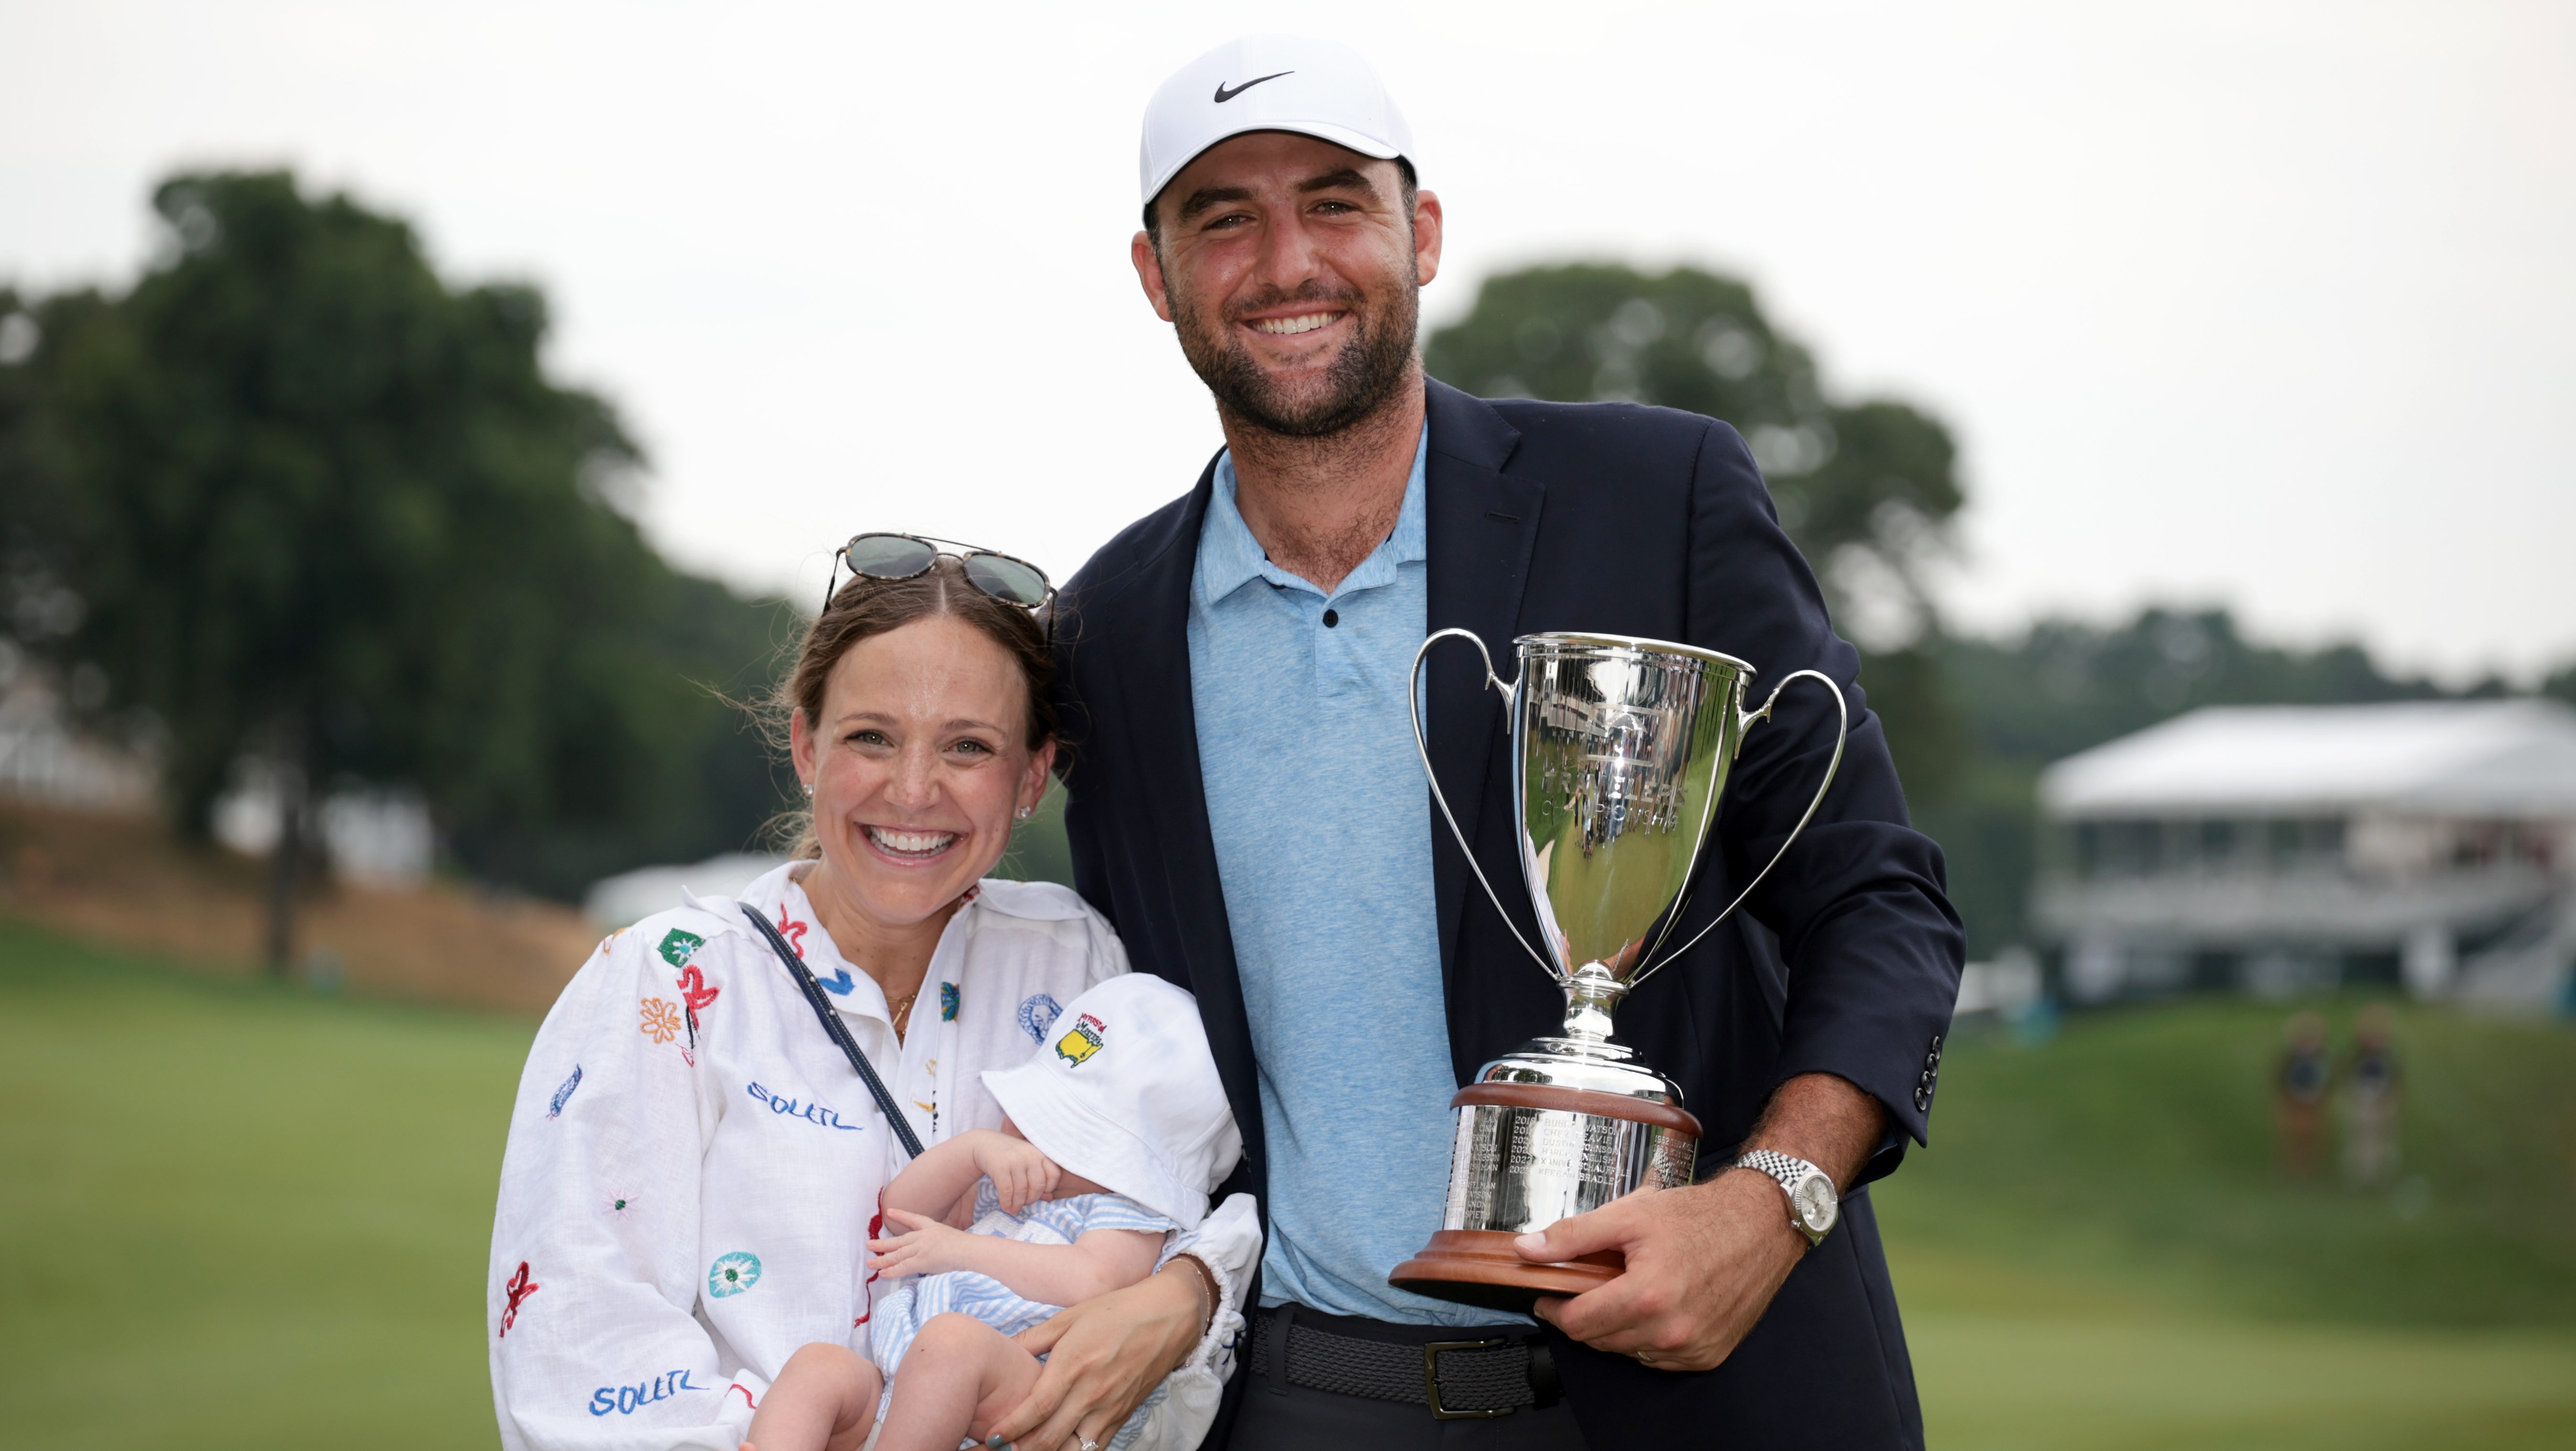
(323, 511)
(1866, 487)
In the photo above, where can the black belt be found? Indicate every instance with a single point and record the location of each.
(1457, 1373)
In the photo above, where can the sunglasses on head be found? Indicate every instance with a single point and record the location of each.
(904, 556)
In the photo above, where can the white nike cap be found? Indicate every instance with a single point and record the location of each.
(1268, 83)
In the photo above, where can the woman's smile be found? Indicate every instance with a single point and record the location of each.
(910, 846)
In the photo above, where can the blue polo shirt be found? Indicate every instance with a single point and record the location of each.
(1323, 843)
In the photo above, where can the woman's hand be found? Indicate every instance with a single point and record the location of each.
(1020, 1174)
(1104, 1356)
(928, 1247)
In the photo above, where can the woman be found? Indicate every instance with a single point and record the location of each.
(694, 1159)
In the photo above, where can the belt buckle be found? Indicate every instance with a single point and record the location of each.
(1431, 1379)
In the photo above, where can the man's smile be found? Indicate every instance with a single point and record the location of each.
(1302, 323)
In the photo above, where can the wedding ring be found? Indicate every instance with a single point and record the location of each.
(1090, 1445)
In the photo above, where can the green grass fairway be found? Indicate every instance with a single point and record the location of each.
(2096, 1252)
(2139, 1143)
(2089, 1383)
(237, 1216)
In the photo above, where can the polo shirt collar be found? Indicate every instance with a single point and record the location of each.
(1230, 557)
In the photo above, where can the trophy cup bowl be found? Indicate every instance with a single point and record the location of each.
(1620, 752)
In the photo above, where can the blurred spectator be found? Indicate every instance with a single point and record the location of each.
(2299, 1083)
(2371, 1083)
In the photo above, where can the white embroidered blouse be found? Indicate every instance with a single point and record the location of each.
(693, 1166)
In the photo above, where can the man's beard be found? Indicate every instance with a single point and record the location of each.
(1358, 381)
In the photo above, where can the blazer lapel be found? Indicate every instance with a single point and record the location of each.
(1153, 655)
(1482, 524)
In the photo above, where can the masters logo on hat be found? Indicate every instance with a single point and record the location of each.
(1081, 1041)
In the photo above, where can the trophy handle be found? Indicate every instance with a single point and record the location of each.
(1413, 704)
(1842, 711)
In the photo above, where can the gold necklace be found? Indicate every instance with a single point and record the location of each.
(900, 1015)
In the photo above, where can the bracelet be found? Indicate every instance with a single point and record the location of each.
(1205, 1279)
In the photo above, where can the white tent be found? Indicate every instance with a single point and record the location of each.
(2292, 846)
(2501, 759)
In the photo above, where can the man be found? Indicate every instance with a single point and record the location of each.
(2371, 1083)
(1248, 807)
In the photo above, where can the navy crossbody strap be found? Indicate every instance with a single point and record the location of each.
(837, 1030)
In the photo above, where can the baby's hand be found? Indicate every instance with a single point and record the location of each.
(928, 1248)
(1020, 1174)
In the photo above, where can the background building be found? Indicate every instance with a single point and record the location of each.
(2429, 844)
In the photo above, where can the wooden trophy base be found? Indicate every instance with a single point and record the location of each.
(1480, 1267)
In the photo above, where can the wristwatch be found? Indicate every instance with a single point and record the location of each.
(1814, 1206)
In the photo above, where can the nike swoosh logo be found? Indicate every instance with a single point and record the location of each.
(1224, 95)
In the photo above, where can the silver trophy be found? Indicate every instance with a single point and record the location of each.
(1620, 750)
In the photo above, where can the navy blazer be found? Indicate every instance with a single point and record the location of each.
(1605, 518)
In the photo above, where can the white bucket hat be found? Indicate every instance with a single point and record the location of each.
(1269, 83)
(1125, 1093)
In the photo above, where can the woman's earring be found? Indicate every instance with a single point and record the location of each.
(809, 788)
(1024, 813)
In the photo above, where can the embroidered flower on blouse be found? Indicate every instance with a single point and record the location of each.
(732, 1274)
(661, 1020)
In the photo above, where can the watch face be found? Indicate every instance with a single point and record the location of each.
(1816, 1206)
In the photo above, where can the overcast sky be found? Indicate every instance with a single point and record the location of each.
(2268, 305)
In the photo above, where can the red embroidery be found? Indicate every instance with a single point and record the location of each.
(746, 1395)
(876, 1231)
(694, 994)
(794, 932)
(519, 1288)
(694, 990)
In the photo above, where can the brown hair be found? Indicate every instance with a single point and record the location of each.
(868, 607)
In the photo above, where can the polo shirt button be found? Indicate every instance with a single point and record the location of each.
(1332, 618)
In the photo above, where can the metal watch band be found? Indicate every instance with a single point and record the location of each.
(1790, 1171)
(1787, 1168)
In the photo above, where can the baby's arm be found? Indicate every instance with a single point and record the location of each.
(947, 1171)
(1100, 1261)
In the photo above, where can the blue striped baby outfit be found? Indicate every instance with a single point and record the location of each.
(901, 1313)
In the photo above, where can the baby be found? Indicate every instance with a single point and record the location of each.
(1115, 1134)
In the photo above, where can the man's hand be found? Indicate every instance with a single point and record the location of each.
(1704, 1261)
(1103, 1357)
(928, 1247)
(1703, 1264)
